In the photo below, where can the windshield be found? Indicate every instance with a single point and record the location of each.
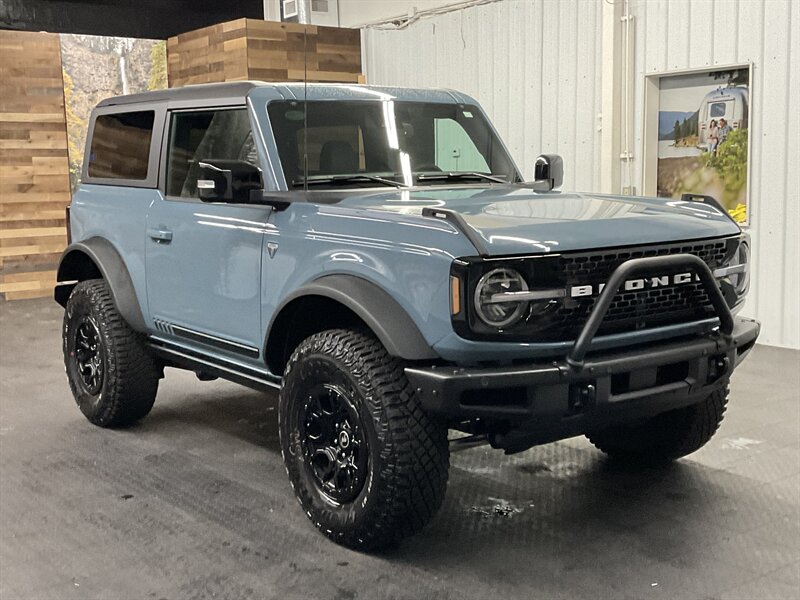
(367, 144)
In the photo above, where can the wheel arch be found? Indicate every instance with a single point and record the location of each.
(335, 301)
(97, 258)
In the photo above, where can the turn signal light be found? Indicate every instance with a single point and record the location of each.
(455, 295)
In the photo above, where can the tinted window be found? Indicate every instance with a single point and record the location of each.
(201, 136)
(344, 136)
(389, 139)
(121, 145)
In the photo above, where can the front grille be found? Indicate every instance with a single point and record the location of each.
(598, 266)
(562, 320)
(633, 310)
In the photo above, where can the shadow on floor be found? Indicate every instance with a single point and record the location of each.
(247, 415)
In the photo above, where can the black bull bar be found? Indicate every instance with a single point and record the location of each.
(635, 266)
(605, 386)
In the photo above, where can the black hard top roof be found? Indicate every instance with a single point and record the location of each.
(205, 91)
(235, 92)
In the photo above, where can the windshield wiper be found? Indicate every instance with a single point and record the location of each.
(343, 179)
(455, 176)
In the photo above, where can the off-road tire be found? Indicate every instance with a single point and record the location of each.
(667, 436)
(406, 477)
(130, 373)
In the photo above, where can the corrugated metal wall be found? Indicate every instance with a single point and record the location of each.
(533, 65)
(536, 66)
(682, 34)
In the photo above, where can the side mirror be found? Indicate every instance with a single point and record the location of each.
(227, 181)
(549, 169)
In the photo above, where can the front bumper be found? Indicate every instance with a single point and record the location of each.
(674, 370)
(582, 391)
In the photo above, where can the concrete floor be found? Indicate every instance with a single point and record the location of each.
(194, 502)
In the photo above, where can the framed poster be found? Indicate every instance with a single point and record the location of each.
(697, 136)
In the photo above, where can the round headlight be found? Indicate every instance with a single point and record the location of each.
(489, 302)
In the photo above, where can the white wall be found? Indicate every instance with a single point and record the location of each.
(354, 13)
(307, 14)
(679, 34)
(533, 65)
(272, 10)
(537, 68)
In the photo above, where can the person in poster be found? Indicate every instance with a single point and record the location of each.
(713, 137)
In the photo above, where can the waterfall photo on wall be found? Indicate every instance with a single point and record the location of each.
(97, 67)
(703, 125)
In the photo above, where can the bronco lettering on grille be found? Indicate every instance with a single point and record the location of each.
(634, 285)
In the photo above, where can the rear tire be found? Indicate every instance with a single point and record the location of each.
(112, 374)
(367, 464)
(667, 436)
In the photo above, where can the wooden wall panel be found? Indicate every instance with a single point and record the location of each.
(34, 167)
(266, 51)
(208, 55)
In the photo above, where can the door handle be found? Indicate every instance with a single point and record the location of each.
(160, 235)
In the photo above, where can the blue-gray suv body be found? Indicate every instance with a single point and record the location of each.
(376, 254)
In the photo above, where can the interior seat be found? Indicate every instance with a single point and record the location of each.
(337, 157)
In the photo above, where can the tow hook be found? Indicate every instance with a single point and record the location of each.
(581, 397)
(718, 366)
(205, 376)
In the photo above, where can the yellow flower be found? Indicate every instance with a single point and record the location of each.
(739, 213)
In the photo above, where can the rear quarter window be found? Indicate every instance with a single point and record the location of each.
(120, 147)
(718, 109)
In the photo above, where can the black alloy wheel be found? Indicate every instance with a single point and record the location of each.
(335, 450)
(88, 348)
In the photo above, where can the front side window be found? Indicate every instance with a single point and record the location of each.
(202, 136)
(455, 150)
(410, 143)
(120, 147)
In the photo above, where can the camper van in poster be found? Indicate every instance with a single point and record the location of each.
(730, 103)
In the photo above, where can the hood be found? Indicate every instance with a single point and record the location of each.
(513, 219)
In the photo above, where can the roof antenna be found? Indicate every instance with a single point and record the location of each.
(305, 107)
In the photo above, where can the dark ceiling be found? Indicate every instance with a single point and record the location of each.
(155, 19)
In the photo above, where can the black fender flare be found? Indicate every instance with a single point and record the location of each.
(389, 321)
(72, 268)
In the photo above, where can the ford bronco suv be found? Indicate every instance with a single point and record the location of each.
(376, 255)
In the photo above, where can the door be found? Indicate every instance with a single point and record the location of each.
(204, 259)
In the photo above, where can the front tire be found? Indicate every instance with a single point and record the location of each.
(367, 464)
(667, 436)
(112, 374)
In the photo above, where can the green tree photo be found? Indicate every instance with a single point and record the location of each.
(76, 130)
(158, 67)
(730, 160)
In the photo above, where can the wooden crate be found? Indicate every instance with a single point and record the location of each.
(34, 166)
(266, 51)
